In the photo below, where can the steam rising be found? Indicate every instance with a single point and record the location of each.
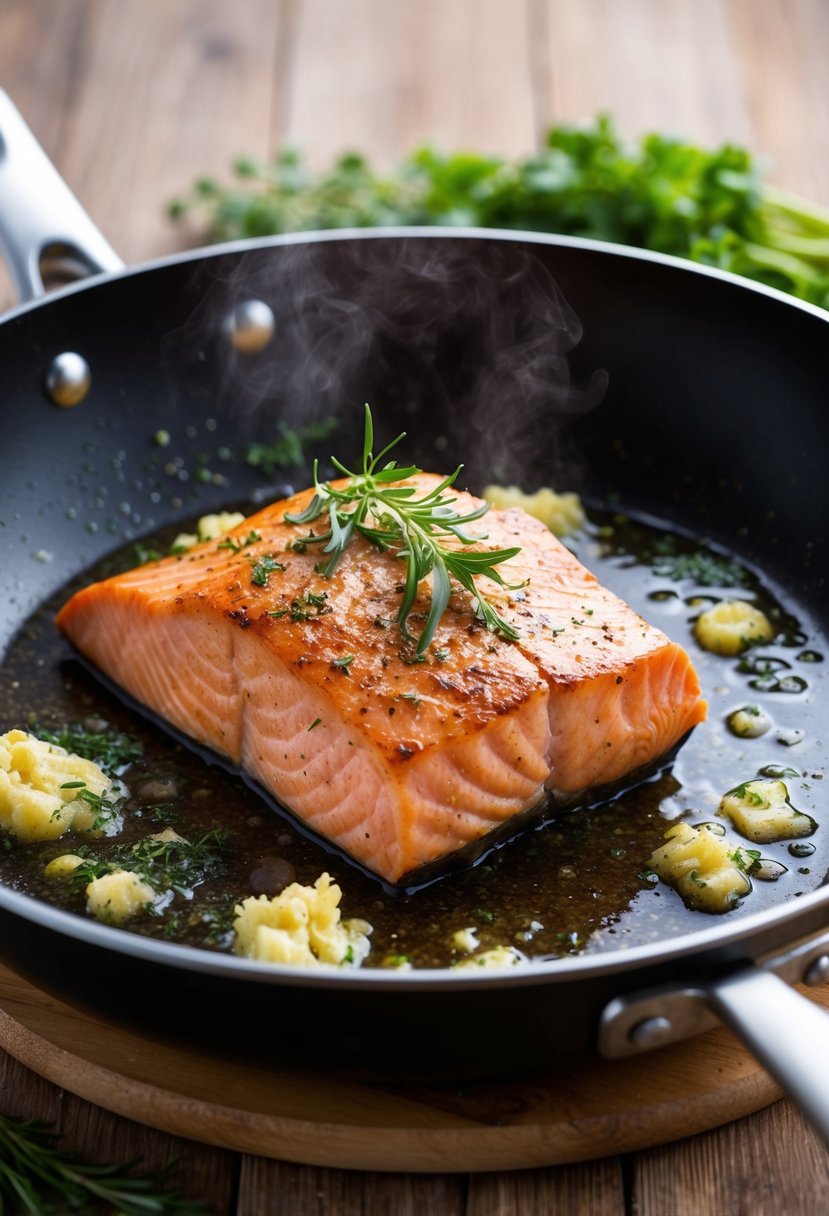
(463, 342)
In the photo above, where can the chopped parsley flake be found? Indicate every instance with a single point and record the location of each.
(702, 567)
(300, 607)
(263, 567)
(288, 450)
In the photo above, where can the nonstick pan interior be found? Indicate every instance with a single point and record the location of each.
(689, 396)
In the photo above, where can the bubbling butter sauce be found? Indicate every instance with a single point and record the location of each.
(578, 883)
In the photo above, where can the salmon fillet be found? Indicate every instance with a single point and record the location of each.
(305, 682)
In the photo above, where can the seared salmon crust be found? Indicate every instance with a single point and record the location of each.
(306, 683)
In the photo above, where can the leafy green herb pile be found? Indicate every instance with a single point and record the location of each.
(38, 1177)
(658, 193)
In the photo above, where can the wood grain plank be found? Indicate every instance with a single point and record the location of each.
(39, 61)
(38, 65)
(133, 101)
(653, 64)
(590, 1110)
(275, 1188)
(577, 1190)
(748, 71)
(781, 49)
(97, 1136)
(771, 1163)
(384, 78)
(168, 92)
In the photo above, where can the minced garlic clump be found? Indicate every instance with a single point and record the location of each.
(701, 864)
(492, 960)
(749, 722)
(761, 811)
(301, 927)
(209, 527)
(41, 787)
(465, 941)
(115, 897)
(731, 626)
(63, 866)
(562, 513)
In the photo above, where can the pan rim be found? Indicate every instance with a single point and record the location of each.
(584, 966)
(331, 235)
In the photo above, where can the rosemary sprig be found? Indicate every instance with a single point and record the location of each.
(390, 516)
(38, 1178)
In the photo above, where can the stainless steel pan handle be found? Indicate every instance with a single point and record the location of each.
(787, 1033)
(41, 221)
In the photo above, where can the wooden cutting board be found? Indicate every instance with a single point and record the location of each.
(595, 1109)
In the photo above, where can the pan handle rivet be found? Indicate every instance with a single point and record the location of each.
(817, 972)
(250, 326)
(651, 1032)
(68, 379)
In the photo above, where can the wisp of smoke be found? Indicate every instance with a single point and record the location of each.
(464, 340)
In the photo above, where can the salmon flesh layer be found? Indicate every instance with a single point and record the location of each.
(305, 682)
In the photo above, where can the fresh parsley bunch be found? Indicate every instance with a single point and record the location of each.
(659, 193)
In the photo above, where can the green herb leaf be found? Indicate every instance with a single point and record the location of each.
(37, 1177)
(389, 514)
(111, 749)
(263, 567)
(177, 865)
(288, 450)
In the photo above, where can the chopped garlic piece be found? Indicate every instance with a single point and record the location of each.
(492, 960)
(562, 513)
(301, 927)
(731, 626)
(116, 897)
(749, 722)
(209, 527)
(184, 540)
(41, 787)
(465, 941)
(761, 811)
(63, 866)
(698, 862)
(169, 836)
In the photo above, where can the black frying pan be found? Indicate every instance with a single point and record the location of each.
(714, 416)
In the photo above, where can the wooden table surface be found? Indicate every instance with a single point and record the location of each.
(134, 98)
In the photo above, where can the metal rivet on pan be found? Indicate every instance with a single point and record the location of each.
(651, 1032)
(250, 326)
(68, 379)
(818, 972)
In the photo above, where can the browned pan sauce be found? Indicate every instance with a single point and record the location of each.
(578, 883)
